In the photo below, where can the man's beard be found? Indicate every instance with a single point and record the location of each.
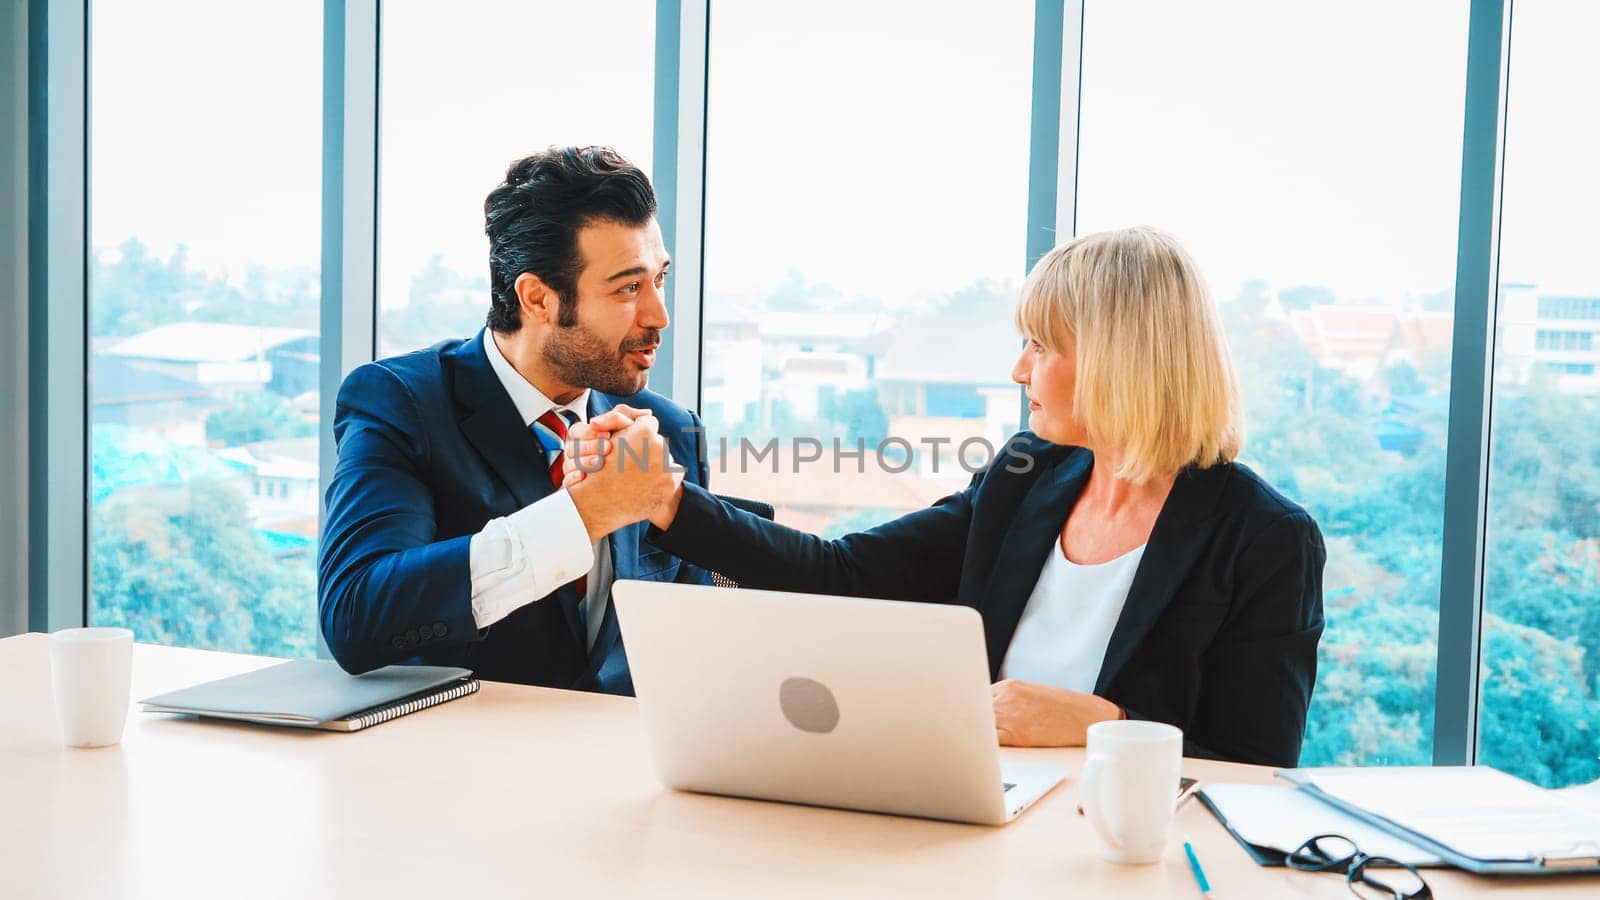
(582, 359)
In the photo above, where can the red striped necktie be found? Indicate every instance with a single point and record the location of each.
(550, 430)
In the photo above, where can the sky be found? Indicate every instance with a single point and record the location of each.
(878, 147)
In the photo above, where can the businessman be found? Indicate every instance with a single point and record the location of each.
(448, 538)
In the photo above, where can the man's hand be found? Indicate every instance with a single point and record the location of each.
(637, 480)
(1034, 715)
(588, 442)
(593, 445)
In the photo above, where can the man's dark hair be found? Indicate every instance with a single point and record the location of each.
(534, 216)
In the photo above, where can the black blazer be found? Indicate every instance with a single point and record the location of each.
(1219, 634)
(430, 449)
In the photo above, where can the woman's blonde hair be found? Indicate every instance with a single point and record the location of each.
(1155, 379)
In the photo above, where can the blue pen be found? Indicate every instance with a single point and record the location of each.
(1199, 873)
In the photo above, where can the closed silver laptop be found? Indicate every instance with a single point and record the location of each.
(831, 701)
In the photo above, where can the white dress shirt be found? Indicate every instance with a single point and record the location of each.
(520, 558)
(1062, 636)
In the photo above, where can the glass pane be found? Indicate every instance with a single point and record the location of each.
(1319, 195)
(1540, 713)
(466, 90)
(205, 205)
(866, 209)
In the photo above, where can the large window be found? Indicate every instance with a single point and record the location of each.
(866, 200)
(204, 199)
(1311, 162)
(1540, 713)
(466, 90)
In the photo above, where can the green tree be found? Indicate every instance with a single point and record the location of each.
(257, 416)
(1540, 719)
(442, 303)
(1306, 296)
(1312, 436)
(132, 290)
(183, 565)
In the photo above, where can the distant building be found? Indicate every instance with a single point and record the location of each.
(950, 377)
(811, 359)
(731, 343)
(1405, 423)
(807, 384)
(283, 487)
(796, 363)
(225, 358)
(1552, 335)
(124, 394)
(1363, 341)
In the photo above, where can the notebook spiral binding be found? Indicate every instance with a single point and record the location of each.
(403, 707)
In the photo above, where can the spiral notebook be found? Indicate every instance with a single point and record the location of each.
(316, 693)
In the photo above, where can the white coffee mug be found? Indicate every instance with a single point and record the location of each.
(91, 669)
(1129, 788)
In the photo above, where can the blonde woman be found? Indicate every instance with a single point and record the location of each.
(1124, 564)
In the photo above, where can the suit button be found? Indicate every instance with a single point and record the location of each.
(426, 632)
(411, 637)
(398, 642)
(440, 629)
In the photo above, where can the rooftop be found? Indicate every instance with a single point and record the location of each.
(206, 342)
(1341, 335)
(113, 380)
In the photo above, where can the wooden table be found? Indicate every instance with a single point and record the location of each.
(517, 792)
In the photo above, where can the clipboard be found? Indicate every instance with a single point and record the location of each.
(1462, 799)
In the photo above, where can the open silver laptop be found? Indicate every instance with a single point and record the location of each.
(831, 701)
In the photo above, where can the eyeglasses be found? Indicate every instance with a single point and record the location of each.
(1394, 880)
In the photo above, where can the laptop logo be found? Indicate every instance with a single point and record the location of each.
(808, 705)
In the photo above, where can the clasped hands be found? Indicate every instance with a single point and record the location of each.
(619, 471)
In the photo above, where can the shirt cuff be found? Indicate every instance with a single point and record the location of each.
(525, 556)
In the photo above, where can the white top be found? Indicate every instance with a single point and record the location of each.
(520, 558)
(1062, 637)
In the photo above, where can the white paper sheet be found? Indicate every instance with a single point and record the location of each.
(1585, 797)
(1282, 819)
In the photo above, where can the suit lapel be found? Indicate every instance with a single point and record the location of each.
(1032, 536)
(1171, 552)
(494, 427)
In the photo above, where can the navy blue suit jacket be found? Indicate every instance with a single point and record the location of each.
(1220, 630)
(430, 449)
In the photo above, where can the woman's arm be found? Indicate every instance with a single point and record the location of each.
(1027, 714)
(915, 557)
(1257, 676)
